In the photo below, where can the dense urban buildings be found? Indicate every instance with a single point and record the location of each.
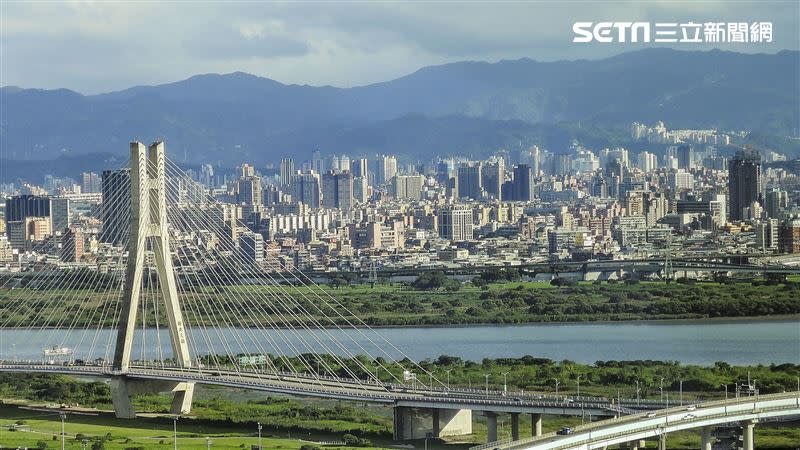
(334, 211)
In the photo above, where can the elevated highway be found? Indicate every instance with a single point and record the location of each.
(657, 425)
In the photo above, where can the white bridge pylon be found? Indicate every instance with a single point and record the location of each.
(149, 231)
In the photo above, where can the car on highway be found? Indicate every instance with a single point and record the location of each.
(564, 431)
(650, 414)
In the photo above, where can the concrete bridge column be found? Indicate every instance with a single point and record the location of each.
(662, 441)
(515, 426)
(748, 438)
(412, 423)
(123, 388)
(491, 425)
(536, 424)
(705, 438)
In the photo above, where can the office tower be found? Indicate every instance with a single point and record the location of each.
(248, 190)
(60, 213)
(614, 168)
(775, 202)
(337, 190)
(360, 189)
(360, 167)
(469, 181)
(744, 182)
(116, 206)
(455, 223)
(339, 163)
(445, 169)
(685, 154)
(317, 163)
(562, 164)
(492, 177)
(251, 247)
(522, 184)
(647, 161)
(90, 183)
(247, 170)
(408, 187)
(629, 184)
(72, 245)
(22, 206)
(385, 169)
(286, 171)
(306, 189)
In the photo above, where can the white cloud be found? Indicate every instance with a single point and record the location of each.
(100, 46)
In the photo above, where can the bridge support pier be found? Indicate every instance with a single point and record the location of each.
(748, 438)
(536, 424)
(705, 438)
(122, 389)
(662, 441)
(515, 426)
(409, 423)
(491, 425)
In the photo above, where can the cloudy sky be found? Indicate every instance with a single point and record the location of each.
(92, 46)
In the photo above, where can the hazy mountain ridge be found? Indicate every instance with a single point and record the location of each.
(241, 115)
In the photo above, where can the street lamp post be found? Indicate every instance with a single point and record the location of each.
(63, 436)
(175, 432)
(505, 382)
(448, 378)
(557, 383)
(680, 392)
(578, 381)
(259, 436)
(661, 389)
(726, 391)
(486, 375)
(208, 443)
(637, 393)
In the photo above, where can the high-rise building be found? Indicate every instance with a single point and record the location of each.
(385, 169)
(469, 183)
(317, 163)
(647, 161)
(492, 177)
(775, 202)
(744, 182)
(248, 190)
(360, 167)
(337, 190)
(251, 247)
(306, 189)
(247, 170)
(360, 189)
(685, 154)
(522, 184)
(445, 169)
(455, 223)
(287, 171)
(72, 245)
(408, 187)
(680, 180)
(789, 240)
(22, 206)
(90, 183)
(60, 213)
(116, 206)
(207, 175)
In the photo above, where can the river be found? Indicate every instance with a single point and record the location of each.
(693, 342)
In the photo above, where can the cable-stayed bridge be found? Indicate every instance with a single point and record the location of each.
(171, 257)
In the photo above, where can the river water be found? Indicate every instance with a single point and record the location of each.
(735, 342)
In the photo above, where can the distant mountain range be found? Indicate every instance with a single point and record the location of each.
(458, 108)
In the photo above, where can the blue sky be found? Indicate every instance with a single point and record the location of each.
(93, 47)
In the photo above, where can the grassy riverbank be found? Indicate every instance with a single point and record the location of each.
(229, 416)
(439, 301)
